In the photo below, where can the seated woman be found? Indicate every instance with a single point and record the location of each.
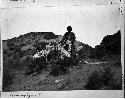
(68, 40)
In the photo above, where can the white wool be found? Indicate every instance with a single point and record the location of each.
(52, 47)
(63, 51)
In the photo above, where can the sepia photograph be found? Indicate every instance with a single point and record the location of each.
(62, 45)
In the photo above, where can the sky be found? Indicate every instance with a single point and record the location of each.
(89, 23)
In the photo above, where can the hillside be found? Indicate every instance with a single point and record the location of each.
(36, 41)
(51, 75)
(110, 46)
(36, 37)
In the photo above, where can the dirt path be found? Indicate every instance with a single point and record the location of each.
(97, 62)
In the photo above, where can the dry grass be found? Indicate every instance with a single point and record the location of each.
(75, 77)
(108, 79)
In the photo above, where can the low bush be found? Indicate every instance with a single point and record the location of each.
(61, 66)
(95, 81)
(36, 65)
(104, 80)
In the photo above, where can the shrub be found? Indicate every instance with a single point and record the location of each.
(104, 80)
(56, 70)
(115, 84)
(53, 55)
(37, 65)
(61, 66)
(40, 46)
(95, 81)
(107, 76)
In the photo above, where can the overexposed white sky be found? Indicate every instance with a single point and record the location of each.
(90, 23)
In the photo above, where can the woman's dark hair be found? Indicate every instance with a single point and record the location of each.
(69, 28)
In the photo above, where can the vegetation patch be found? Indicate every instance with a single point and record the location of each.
(104, 80)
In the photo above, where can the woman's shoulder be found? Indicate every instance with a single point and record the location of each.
(72, 33)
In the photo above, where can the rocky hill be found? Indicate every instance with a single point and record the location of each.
(110, 45)
(17, 57)
(28, 44)
(36, 41)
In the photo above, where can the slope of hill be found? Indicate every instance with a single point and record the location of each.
(17, 57)
(32, 37)
(36, 41)
(110, 45)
